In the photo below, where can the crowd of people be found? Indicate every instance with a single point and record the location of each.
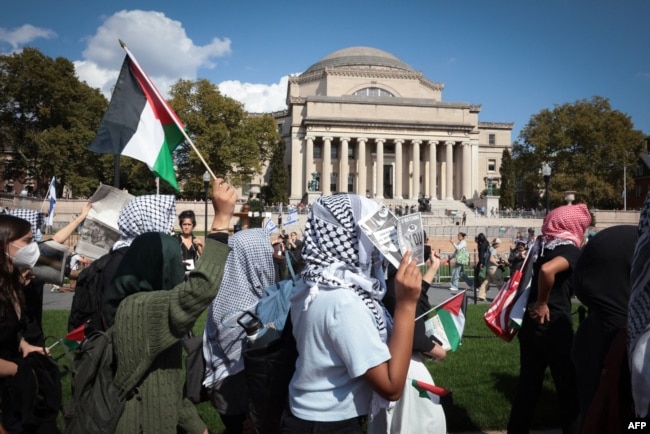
(352, 315)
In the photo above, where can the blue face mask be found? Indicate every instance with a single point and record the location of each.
(26, 256)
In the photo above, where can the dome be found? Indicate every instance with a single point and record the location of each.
(359, 56)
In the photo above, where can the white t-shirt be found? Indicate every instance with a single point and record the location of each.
(337, 343)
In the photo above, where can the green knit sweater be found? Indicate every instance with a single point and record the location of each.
(147, 333)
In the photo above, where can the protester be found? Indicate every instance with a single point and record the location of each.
(411, 413)
(294, 246)
(638, 323)
(482, 245)
(159, 308)
(602, 283)
(346, 367)
(459, 269)
(493, 273)
(149, 213)
(279, 258)
(249, 269)
(517, 255)
(546, 335)
(20, 255)
(191, 246)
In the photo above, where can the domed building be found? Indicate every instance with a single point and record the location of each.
(361, 120)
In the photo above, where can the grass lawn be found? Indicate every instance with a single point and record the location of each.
(482, 375)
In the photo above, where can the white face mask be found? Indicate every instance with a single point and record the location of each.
(26, 256)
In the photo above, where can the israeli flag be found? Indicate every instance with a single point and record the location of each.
(292, 218)
(52, 195)
(270, 226)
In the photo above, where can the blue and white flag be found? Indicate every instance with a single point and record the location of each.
(270, 226)
(292, 218)
(51, 194)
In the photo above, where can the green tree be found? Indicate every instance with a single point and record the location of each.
(507, 188)
(278, 175)
(234, 144)
(587, 144)
(47, 117)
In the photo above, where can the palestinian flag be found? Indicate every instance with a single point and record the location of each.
(448, 322)
(139, 123)
(73, 339)
(438, 395)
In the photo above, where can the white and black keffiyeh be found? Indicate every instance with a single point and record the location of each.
(149, 213)
(248, 270)
(35, 218)
(638, 322)
(338, 255)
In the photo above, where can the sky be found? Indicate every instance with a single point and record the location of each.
(513, 57)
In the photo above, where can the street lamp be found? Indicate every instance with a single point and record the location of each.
(546, 173)
(206, 184)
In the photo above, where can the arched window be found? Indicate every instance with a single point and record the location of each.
(373, 91)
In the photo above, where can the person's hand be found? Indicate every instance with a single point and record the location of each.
(26, 349)
(540, 312)
(85, 210)
(197, 242)
(408, 280)
(224, 197)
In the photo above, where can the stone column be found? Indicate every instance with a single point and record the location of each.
(343, 171)
(327, 166)
(466, 188)
(433, 169)
(380, 168)
(361, 166)
(416, 168)
(450, 170)
(309, 157)
(399, 193)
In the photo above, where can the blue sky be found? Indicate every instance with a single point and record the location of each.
(514, 57)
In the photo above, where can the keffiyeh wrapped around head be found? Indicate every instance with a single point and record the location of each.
(566, 225)
(638, 321)
(35, 218)
(248, 270)
(338, 255)
(150, 213)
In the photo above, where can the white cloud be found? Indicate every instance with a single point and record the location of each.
(257, 98)
(24, 35)
(173, 55)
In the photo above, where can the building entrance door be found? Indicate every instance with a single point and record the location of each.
(388, 181)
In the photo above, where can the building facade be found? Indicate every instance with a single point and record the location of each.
(360, 120)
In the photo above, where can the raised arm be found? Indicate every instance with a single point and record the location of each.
(64, 233)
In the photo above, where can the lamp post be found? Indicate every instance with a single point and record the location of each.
(206, 184)
(546, 173)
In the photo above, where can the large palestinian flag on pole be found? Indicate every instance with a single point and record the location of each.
(139, 123)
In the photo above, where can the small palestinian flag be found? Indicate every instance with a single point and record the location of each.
(438, 395)
(73, 339)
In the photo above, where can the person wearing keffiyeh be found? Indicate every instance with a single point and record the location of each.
(546, 335)
(353, 358)
(249, 269)
(638, 322)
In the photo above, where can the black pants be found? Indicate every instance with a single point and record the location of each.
(294, 425)
(280, 269)
(542, 346)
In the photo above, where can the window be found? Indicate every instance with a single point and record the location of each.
(334, 152)
(492, 139)
(492, 165)
(373, 91)
(352, 152)
(318, 150)
(351, 183)
(333, 177)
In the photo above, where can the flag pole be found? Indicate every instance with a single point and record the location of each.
(48, 193)
(169, 112)
(436, 307)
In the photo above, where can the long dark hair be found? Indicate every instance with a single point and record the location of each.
(11, 229)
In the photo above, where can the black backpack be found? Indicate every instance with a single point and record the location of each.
(89, 293)
(96, 404)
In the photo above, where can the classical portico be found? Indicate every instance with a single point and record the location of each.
(367, 123)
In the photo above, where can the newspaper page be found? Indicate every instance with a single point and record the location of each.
(50, 266)
(381, 228)
(411, 235)
(100, 230)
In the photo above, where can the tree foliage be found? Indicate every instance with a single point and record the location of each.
(507, 188)
(587, 144)
(48, 117)
(278, 176)
(234, 144)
